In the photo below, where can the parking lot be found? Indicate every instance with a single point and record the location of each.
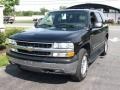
(103, 74)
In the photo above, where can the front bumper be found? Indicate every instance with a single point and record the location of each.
(58, 68)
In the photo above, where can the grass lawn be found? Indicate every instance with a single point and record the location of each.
(3, 60)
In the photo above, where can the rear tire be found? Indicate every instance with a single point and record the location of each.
(11, 22)
(82, 67)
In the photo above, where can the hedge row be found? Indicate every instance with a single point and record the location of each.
(8, 32)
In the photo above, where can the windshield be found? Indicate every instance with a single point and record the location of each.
(64, 19)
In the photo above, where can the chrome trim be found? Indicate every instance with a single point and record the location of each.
(99, 45)
(34, 42)
(32, 54)
(32, 48)
(41, 49)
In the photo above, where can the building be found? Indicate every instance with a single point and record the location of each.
(2, 27)
(110, 12)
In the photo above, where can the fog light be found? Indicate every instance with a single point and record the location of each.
(67, 54)
(59, 54)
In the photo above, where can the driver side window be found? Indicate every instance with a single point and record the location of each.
(93, 18)
(99, 19)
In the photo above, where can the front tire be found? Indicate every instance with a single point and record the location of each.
(82, 67)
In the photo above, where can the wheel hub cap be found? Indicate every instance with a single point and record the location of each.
(84, 65)
(106, 46)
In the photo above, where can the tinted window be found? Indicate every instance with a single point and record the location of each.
(98, 17)
(103, 16)
(65, 19)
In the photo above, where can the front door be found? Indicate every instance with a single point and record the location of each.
(97, 34)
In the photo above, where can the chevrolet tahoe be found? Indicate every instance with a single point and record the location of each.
(63, 42)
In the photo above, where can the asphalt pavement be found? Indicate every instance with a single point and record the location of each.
(103, 74)
(26, 25)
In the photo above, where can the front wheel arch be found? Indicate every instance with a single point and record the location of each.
(78, 76)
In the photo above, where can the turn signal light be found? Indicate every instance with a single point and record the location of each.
(70, 54)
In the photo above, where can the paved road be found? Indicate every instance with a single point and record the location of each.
(103, 74)
(27, 25)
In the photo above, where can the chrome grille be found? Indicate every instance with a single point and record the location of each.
(38, 53)
(33, 44)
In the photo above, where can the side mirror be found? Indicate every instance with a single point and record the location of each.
(98, 25)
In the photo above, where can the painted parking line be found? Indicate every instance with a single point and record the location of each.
(115, 39)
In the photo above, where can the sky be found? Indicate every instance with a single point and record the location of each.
(35, 5)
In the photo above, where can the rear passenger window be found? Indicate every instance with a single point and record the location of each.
(99, 18)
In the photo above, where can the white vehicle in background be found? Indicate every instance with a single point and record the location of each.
(118, 21)
(2, 27)
(37, 17)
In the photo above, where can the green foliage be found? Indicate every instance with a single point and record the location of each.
(43, 10)
(27, 13)
(11, 31)
(1, 1)
(3, 60)
(8, 33)
(30, 13)
(17, 2)
(2, 38)
(9, 6)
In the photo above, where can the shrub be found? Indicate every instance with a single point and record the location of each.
(13, 30)
(2, 38)
(8, 32)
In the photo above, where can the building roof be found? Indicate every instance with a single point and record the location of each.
(87, 10)
(94, 6)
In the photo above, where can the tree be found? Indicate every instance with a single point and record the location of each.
(43, 10)
(9, 6)
(1, 1)
(62, 7)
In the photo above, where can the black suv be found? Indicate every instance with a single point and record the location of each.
(63, 42)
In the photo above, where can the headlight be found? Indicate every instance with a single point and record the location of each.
(63, 45)
(11, 41)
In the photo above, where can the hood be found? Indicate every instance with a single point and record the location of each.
(45, 35)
